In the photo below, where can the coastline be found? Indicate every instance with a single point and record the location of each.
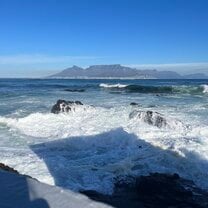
(88, 150)
(156, 190)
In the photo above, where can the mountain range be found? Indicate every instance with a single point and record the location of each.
(119, 71)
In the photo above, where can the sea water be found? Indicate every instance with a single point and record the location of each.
(91, 148)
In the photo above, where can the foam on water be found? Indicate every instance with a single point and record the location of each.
(89, 149)
(205, 88)
(112, 85)
(82, 121)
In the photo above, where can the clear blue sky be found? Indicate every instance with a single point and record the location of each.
(41, 36)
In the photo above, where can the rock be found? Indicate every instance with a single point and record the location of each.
(134, 104)
(150, 117)
(65, 106)
(156, 190)
(78, 103)
(7, 168)
(74, 90)
(163, 190)
(157, 119)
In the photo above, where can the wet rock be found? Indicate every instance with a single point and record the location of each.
(7, 168)
(164, 190)
(157, 119)
(74, 90)
(65, 106)
(156, 190)
(151, 106)
(134, 104)
(78, 103)
(150, 117)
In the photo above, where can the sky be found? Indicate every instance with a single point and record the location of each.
(41, 37)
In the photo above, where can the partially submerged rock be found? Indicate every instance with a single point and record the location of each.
(156, 119)
(65, 106)
(134, 104)
(150, 117)
(7, 168)
(74, 90)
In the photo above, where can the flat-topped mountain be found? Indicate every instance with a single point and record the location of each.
(119, 71)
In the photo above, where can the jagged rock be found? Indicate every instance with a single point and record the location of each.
(157, 190)
(65, 106)
(164, 190)
(156, 119)
(150, 117)
(7, 168)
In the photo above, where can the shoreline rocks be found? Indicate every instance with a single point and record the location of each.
(156, 190)
(7, 168)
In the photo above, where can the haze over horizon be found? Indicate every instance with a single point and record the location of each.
(40, 38)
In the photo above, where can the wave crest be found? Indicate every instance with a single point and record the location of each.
(205, 88)
(112, 85)
(183, 89)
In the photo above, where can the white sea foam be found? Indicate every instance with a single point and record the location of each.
(82, 121)
(205, 88)
(112, 85)
(88, 149)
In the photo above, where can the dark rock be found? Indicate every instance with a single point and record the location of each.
(150, 117)
(157, 119)
(154, 191)
(95, 195)
(78, 103)
(74, 90)
(163, 190)
(64, 106)
(134, 104)
(7, 168)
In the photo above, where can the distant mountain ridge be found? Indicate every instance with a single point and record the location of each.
(119, 71)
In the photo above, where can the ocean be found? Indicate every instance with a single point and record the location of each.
(90, 148)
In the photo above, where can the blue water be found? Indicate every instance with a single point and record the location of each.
(90, 147)
(45, 92)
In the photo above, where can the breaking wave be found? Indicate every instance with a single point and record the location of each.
(183, 89)
(87, 150)
(90, 147)
(113, 85)
(205, 88)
